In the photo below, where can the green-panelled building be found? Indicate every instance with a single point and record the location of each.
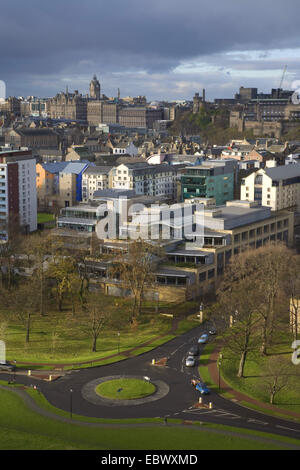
(210, 179)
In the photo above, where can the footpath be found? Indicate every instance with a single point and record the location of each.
(240, 397)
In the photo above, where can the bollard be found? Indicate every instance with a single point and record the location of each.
(50, 378)
(200, 399)
(29, 372)
(210, 405)
(153, 362)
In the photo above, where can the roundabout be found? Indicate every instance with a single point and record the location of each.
(173, 397)
(110, 390)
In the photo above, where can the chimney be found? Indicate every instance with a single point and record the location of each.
(203, 95)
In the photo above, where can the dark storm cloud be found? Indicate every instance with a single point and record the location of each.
(75, 36)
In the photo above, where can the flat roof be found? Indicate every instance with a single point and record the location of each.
(76, 221)
(189, 253)
(174, 273)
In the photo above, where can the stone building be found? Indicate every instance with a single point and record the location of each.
(198, 102)
(101, 112)
(33, 138)
(95, 89)
(139, 116)
(11, 105)
(68, 106)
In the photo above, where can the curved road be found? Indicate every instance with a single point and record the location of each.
(177, 403)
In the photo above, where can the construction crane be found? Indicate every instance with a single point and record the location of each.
(282, 78)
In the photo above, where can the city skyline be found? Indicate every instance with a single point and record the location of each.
(165, 50)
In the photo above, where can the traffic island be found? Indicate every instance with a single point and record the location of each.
(207, 406)
(160, 362)
(89, 391)
(46, 377)
(125, 388)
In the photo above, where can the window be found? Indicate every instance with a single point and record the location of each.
(211, 274)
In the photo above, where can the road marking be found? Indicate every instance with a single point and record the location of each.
(289, 429)
(256, 421)
(219, 413)
(175, 351)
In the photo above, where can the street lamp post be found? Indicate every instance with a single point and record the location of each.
(119, 334)
(15, 362)
(157, 301)
(219, 363)
(71, 403)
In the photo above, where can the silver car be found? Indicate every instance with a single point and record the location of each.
(7, 367)
(190, 361)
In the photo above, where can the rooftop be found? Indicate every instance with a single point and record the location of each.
(284, 171)
(235, 214)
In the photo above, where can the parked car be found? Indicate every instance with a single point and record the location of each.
(194, 350)
(7, 367)
(203, 339)
(190, 361)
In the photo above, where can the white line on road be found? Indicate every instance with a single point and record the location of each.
(175, 351)
(257, 421)
(289, 429)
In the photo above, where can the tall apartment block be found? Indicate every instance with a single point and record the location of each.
(18, 199)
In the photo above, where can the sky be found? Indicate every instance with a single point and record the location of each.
(163, 49)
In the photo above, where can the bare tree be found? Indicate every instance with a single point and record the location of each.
(292, 289)
(136, 270)
(64, 272)
(238, 305)
(97, 316)
(40, 250)
(276, 376)
(25, 303)
(271, 263)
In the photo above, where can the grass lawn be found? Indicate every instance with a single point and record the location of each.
(44, 217)
(125, 389)
(21, 428)
(60, 338)
(250, 385)
(253, 384)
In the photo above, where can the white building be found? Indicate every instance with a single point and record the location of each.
(94, 178)
(278, 188)
(145, 179)
(126, 149)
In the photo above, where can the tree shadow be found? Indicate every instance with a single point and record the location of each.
(282, 353)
